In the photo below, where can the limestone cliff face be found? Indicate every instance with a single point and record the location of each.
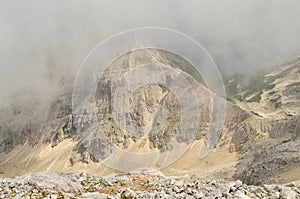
(153, 108)
(147, 102)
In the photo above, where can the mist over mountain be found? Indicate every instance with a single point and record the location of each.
(43, 42)
(163, 131)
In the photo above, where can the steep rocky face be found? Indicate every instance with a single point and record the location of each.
(273, 161)
(269, 142)
(261, 124)
(146, 104)
(269, 149)
(21, 121)
(147, 101)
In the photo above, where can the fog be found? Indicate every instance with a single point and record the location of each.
(43, 41)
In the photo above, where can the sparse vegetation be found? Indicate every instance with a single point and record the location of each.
(244, 86)
(296, 84)
(256, 98)
(241, 87)
(277, 102)
(253, 132)
(278, 105)
(271, 93)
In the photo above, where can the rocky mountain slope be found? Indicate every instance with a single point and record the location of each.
(273, 99)
(259, 142)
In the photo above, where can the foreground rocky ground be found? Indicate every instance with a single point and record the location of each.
(84, 185)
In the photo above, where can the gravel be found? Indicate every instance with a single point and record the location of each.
(133, 185)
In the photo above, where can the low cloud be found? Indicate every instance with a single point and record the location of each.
(42, 42)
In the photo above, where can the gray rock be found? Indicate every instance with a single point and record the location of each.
(128, 194)
(241, 194)
(95, 195)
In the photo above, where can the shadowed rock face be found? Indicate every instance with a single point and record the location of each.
(267, 162)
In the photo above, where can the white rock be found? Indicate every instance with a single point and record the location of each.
(238, 183)
(240, 194)
(128, 193)
(52, 196)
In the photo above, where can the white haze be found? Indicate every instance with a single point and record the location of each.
(42, 41)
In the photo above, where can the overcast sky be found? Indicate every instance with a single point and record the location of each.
(40, 41)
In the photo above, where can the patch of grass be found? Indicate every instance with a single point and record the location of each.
(295, 84)
(283, 73)
(220, 136)
(269, 86)
(253, 132)
(277, 102)
(256, 98)
(271, 93)
(278, 105)
(167, 137)
(240, 87)
(244, 86)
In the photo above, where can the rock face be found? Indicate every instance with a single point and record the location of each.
(267, 161)
(153, 112)
(84, 185)
(269, 141)
(146, 103)
(261, 124)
